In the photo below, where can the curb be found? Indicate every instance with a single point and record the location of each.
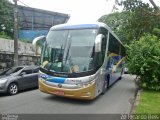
(136, 101)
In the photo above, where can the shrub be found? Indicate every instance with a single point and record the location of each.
(3, 35)
(143, 59)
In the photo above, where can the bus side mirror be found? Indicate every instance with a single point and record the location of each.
(40, 38)
(98, 42)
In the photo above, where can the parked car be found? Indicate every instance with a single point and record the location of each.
(18, 78)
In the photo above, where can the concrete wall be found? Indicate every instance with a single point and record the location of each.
(26, 51)
(24, 48)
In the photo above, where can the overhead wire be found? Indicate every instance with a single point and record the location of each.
(23, 3)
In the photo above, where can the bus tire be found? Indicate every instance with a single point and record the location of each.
(105, 85)
(122, 72)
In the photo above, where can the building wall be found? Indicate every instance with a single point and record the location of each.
(24, 48)
(31, 34)
(27, 54)
(6, 60)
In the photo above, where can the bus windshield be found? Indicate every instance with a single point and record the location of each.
(70, 51)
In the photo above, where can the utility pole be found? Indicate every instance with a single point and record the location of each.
(15, 33)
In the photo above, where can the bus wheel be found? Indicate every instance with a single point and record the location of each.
(105, 86)
(122, 72)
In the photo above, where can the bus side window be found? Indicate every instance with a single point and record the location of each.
(46, 55)
(101, 55)
(103, 48)
(113, 45)
(98, 60)
(104, 42)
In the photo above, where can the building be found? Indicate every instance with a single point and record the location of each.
(34, 22)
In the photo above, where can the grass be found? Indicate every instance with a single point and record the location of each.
(149, 103)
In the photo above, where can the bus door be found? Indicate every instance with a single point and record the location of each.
(114, 68)
(99, 83)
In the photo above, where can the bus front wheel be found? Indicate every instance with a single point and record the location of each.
(105, 86)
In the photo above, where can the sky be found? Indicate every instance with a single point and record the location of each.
(79, 10)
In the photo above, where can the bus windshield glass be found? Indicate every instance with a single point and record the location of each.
(70, 51)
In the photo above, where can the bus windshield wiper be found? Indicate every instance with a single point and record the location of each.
(68, 51)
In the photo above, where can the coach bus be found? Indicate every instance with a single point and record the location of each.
(80, 61)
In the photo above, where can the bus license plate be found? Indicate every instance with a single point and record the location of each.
(59, 93)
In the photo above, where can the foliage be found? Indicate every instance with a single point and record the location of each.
(143, 59)
(3, 35)
(156, 32)
(142, 18)
(136, 19)
(117, 22)
(6, 18)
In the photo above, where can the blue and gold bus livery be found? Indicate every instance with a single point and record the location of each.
(80, 61)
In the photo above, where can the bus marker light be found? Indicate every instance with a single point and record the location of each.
(88, 93)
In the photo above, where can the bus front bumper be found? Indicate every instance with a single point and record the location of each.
(86, 93)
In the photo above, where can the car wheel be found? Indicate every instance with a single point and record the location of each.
(13, 89)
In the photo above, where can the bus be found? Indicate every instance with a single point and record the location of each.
(80, 60)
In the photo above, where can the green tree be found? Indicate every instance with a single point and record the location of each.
(156, 32)
(117, 22)
(136, 19)
(6, 18)
(143, 18)
(143, 59)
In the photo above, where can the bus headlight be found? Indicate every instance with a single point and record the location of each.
(85, 84)
(78, 82)
(88, 93)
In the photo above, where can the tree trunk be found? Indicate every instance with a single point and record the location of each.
(154, 5)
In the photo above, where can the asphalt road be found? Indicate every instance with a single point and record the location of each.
(116, 100)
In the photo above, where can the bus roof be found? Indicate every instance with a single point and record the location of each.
(84, 26)
(77, 26)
